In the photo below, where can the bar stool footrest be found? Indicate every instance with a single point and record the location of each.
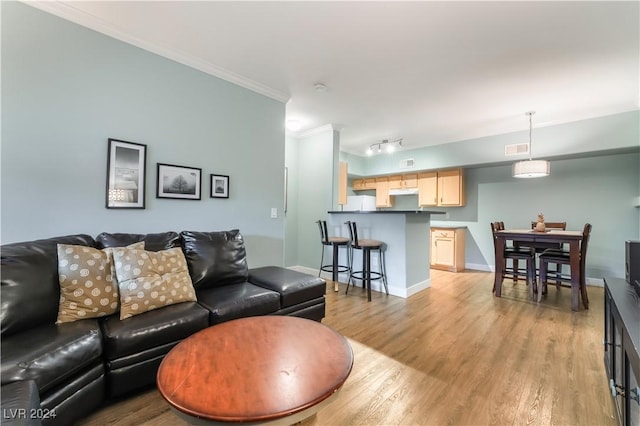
(329, 268)
(359, 275)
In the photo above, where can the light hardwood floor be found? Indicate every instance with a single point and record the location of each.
(451, 355)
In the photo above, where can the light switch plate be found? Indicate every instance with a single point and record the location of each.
(274, 212)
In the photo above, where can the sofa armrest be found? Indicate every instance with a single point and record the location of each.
(21, 404)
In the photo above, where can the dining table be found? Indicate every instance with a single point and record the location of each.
(523, 236)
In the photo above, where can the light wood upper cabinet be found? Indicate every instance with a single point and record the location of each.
(441, 188)
(410, 180)
(403, 181)
(383, 199)
(436, 188)
(342, 183)
(428, 189)
(364, 184)
(450, 188)
(395, 182)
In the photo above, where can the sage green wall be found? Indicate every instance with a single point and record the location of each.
(67, 89)
(583, 138)
(314, 162)
(586, 185)
(293, 212)
(598, 190)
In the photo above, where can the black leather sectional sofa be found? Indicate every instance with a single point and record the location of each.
(77, 366)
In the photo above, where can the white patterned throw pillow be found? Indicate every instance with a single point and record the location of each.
(151, 280)
(88, 288)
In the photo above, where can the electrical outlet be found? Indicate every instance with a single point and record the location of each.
(274, 212)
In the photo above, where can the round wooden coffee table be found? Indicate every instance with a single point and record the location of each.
(267, 369)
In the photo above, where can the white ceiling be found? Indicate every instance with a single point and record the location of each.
(427, 72)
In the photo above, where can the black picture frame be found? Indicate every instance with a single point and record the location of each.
(219, 186)
(126, 175)
(179, 182)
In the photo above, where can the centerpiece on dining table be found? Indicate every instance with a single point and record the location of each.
(540, 226)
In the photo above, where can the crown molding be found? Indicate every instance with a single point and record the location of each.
(70, 13)
(321, 129)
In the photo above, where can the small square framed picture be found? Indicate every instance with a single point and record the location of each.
(219, 186)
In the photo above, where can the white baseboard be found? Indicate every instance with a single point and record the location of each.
(479, 267)
(406, 292)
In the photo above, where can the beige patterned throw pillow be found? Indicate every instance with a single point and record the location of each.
(151, 280)
(88, 288)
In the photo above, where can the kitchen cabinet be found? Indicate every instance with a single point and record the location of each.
(441, 188)
(447, 248)
(428, 189)
(450, 188)
(383, 199)
(621, 345)
(342, 183)
(405, 181)
(364, 184)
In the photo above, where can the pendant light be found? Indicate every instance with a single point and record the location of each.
(531, 168)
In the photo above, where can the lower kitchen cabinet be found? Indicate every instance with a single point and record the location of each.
(447, 248)
(621, 345)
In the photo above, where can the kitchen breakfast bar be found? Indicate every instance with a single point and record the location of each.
(406, 236)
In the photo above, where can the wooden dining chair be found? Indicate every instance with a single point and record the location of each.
(515, 254)
(559, 258)
(539, 247)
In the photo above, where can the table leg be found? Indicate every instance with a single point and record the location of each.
(334, 275)
(574, 260)
(497, 282)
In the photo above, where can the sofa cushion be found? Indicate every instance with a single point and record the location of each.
(237, 301)
(51, 354)
(153, 242)
(294, 287)
(151, 280)
(29, 277)
(215, 258)
(151, 329)
(88, 286)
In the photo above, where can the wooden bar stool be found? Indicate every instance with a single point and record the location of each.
(336, 243)
(366, 274)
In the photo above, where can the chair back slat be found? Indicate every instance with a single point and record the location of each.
(353, 233)
(583, 245)
(324, 236)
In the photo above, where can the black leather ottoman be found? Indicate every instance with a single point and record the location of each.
(300, 294)
(21, 404)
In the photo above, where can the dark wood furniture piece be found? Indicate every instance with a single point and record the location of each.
(622, 348)
(335, 243)
(572, 238)
(366, 274)
(257, 369)
(540, 246)
(515, 254)
(559, 258)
